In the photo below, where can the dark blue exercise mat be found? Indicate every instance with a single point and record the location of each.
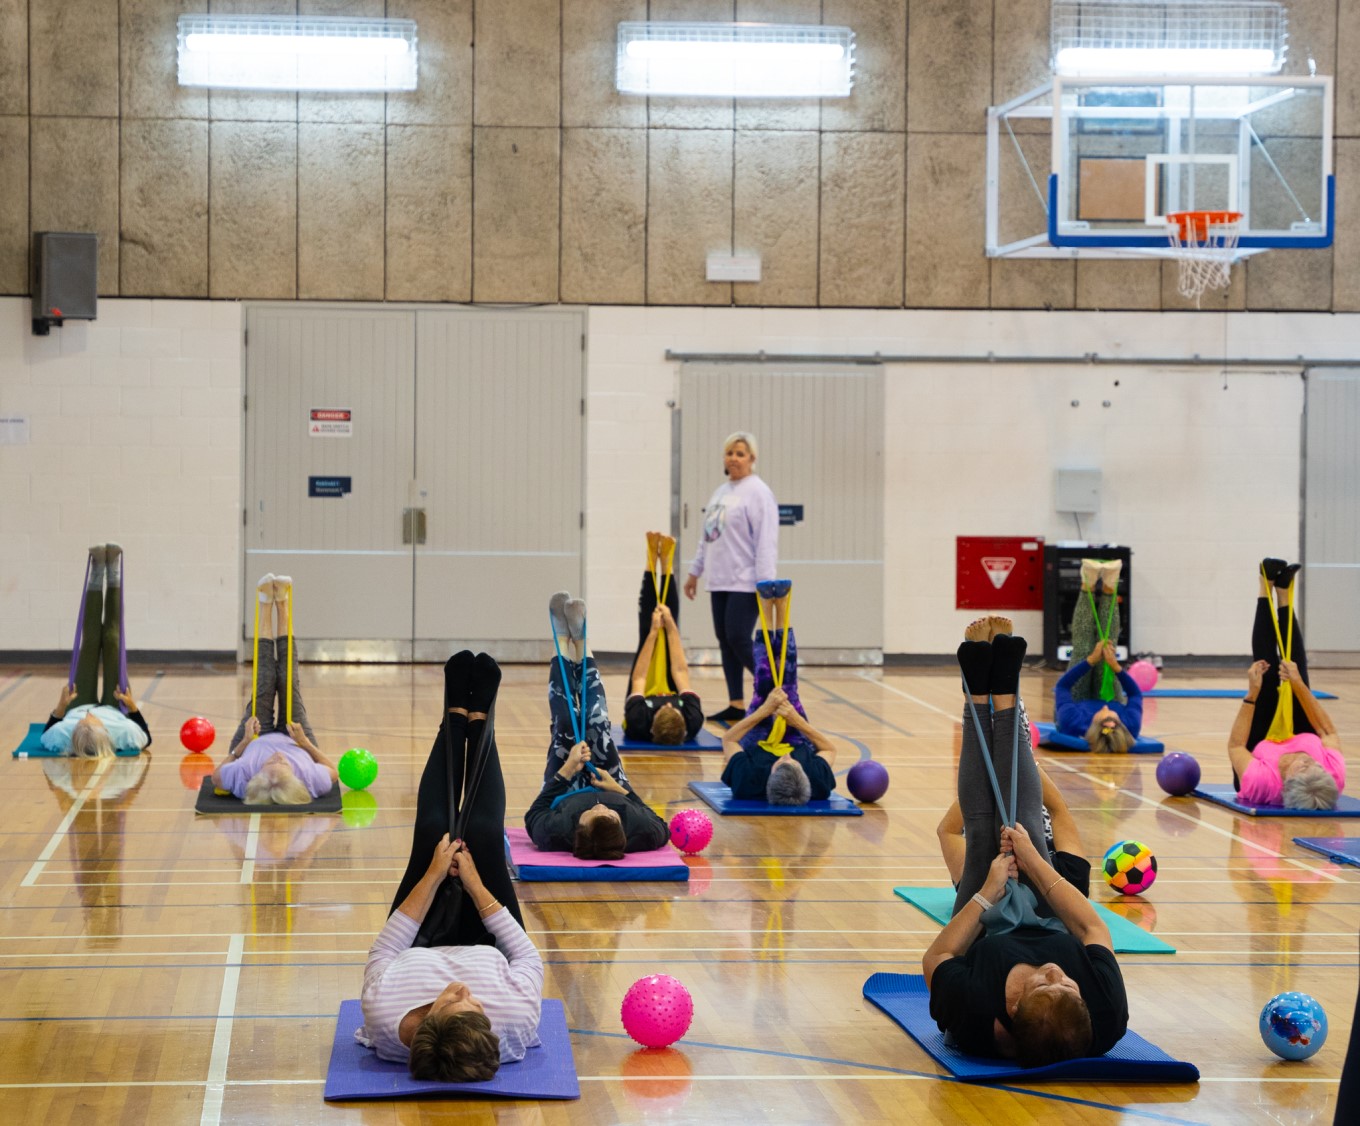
(1220, 793)
(720, 798)
(1343, 850)
(210, 801)
(904, 997)
(32, 746)
(1210, 694)
(1055, 740)
(703, 741)
(546, 1072)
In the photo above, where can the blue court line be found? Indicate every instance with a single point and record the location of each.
(883, 1068)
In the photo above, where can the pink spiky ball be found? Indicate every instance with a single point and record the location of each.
(691, 830)
(656, 1011)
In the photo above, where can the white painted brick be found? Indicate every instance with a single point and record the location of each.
(176, 372)
(85, 402)
(120, 430)
(41, 349)
(150, 461)
(151, 402)
(181, 314)
(190, 434)
(226, 374)
(66, 489)
(130, 371)
(227, 315)
(64, 371)
(151, 342)
(210, 402)
(125, 312)
(212, 344)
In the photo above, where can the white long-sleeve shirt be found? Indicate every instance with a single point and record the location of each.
(740, 542)
(507, 979)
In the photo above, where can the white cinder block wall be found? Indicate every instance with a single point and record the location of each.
(134, 436)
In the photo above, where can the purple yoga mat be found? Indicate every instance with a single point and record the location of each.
(546, 1072)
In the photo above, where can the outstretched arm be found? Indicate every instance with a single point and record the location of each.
(952, 845)
(417, 904)
(299, 736)
(733, 736)
(675, 649)
(825, 747)
(637, 680)
(1238, 754)
(1316, 713)
(965, 928)
(1073, 908)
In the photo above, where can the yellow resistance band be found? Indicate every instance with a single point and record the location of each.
(1282, 725)
(775, 743)
(288, 673)
(657, 681)
(255, 664)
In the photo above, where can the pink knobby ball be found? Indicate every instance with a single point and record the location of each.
(656, 1011)
(1034, 736)
(691, 830)
(1144, 674)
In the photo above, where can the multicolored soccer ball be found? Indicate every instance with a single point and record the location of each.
(1129, 867)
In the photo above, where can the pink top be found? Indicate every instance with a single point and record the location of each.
(1262, 785)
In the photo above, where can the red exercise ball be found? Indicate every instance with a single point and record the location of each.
(197, 733)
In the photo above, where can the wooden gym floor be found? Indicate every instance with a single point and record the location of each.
(161, 967)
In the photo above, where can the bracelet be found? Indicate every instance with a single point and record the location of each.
(1051, 886)
(1247, 702)
(491, 909)
(982, 901)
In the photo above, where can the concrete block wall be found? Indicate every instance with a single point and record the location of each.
(516, 173)
(133, 437)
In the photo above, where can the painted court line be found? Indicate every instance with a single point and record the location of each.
(215, 1088)
(252, 844)
(52, 845)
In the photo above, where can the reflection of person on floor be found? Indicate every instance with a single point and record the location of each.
(586, 806)
(1079, 706)
(453, 985)
(270, 761)
(783, 763)
(96, 838)
(1025, 967)
(86, 722)
(661, 708)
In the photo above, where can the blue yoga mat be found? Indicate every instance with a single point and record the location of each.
(1051, 737)
(1210, 694)
(703, 741)
(1128, 938)
(32, 746)
(904, 997)
(1222, 794)
(546, 1072)
(1343, 850)
(720, 798)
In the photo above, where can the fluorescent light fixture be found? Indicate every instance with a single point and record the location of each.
(297, 53)
(1171, 37)
(735, 60)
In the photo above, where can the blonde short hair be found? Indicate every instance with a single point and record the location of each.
(89, 740)
(743, 436)
(264, 788)
(1116, 741)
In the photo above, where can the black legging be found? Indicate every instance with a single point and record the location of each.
(450, 923)
(1264, 648)
(646, 605)
(734, 621)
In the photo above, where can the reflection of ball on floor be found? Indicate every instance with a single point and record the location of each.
(662, 1079)
(358, 808)
(1293, 1025)
(357, 768)
(1130, 867)
(691, 830)
(656, 1011)
(1178, 773)
(867, 780)
(193, 768)
(197, 734)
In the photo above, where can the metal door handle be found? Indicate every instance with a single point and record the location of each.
(412, 525)
(684, 522)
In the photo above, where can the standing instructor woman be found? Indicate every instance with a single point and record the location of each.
(739, 548)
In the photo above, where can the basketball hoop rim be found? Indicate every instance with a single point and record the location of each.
(1194, 225)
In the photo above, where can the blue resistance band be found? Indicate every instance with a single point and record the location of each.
(1007, 813)
(578, 720)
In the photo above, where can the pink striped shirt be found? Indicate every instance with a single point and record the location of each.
(507, 979)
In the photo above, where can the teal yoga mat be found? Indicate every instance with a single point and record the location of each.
(1128, 938)
(32, 746)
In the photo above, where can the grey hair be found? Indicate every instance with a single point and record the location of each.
(1116, 741)
(788, 785)
(741, 436)
(265, 789)
(89, 741)
(1311, 788)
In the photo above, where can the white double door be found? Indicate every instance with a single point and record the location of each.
(418, 473)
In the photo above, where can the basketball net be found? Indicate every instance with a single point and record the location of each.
(1204, 244)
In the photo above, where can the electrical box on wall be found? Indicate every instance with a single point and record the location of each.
(1077, 490)
(65, 278)
(999, 573)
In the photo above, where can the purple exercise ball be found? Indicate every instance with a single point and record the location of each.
(1178, 773)
(867, 780)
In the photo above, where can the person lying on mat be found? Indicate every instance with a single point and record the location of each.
(87, 723)
(774, 754)
(586, 806)
(661, 707)
(271, 761)
(1086, 699)
(1025, 968)
(453, 986)
(1284, 747)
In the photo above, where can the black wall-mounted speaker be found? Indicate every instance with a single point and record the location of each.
(65, 278)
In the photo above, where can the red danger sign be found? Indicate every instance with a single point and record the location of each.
(331, 416)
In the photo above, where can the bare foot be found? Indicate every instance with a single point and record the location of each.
(665, 551)
(976, 630)
(997, 624)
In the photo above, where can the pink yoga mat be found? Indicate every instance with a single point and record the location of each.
(523, 852)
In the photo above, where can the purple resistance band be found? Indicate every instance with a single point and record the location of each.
(123, 682)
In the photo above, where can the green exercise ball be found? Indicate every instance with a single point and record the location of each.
(358, 768)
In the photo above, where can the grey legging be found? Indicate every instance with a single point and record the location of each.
(273, 656)
(1085, 634)
(981, 818)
